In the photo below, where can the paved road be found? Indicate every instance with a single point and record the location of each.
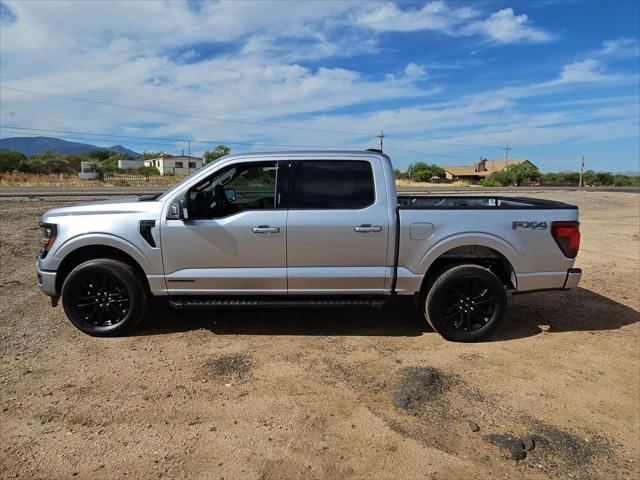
(120, 192)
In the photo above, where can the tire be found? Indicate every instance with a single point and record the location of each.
(104, 297)
(465, 303)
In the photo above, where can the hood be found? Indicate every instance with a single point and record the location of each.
(108, 207)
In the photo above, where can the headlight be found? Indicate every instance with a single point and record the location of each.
(49, 231)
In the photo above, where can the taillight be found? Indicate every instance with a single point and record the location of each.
(49, 232)
(567, 236)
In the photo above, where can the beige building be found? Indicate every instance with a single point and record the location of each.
(476, 172)
(181, 166)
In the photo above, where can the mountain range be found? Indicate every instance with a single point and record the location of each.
(37, 145)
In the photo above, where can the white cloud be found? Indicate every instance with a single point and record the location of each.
(587, 70)
(620, 48)
(503, 26)
(414, 71)
(432, 16)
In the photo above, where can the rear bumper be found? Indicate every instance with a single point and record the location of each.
(46, 281)
(573, 278)
(534, 282)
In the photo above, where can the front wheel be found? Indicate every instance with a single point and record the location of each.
(465, 303)
(104, 297)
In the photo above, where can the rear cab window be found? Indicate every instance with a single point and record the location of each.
(331, 185)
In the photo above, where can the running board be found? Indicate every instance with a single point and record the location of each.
(200, 302)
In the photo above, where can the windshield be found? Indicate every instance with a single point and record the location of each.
(185, 179)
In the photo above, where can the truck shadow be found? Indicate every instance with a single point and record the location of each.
(527, 315)
(577, 310)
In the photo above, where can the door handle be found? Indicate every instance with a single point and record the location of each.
(366, 228)
(265, 229)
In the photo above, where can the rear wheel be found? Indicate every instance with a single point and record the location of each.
(465, 303)
(104, 297)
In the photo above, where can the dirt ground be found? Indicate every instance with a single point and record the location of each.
(330, 394)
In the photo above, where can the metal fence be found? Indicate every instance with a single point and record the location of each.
(124, 177)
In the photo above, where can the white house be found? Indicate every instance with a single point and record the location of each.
(130, 164)
(180, 165)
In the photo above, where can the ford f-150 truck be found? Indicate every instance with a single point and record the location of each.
(324, 229)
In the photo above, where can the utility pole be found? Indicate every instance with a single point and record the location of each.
(381, 137)
(189, 159)
(581, 170)
(506, 154)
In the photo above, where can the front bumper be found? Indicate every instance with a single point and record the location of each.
(46, 281)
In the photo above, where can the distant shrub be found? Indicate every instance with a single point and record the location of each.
(489, 182)
(149, 171)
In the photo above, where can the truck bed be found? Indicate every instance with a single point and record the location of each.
(460, 202)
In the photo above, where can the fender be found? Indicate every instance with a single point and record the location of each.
(466, 239)
(105, 239)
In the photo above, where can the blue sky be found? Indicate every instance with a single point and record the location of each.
(446, 81)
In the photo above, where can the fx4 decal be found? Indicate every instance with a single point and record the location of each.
(529, 225)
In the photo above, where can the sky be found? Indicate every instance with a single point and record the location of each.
(447, 82)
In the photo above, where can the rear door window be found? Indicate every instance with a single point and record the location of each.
(331, 185)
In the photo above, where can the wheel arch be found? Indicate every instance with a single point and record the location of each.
(91, 252)
(493, 254)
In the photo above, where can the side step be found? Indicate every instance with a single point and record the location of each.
(207, 302)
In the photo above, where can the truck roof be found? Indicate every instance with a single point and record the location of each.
(310, 154)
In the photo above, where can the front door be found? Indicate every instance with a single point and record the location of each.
(235, 240)
(337, 228)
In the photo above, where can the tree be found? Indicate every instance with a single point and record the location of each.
(10, 160)
(424, 172)
(512, 175)
(604, 178)
(212, 155)
(522, 173)
(148, 155)
(589, 177)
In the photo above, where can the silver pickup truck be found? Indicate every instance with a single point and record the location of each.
(304, 229)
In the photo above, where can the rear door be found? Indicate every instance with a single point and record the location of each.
(337, 227)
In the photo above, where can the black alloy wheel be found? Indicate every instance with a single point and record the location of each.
(105, 297)
(102, 299)
(468, 306)
(465, 303)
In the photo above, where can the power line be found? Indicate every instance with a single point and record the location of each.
(181, 105)
(184, 114)
(153, 139)
(158, 144)
(147, 99)
(164, 142)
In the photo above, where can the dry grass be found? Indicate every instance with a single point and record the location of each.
(411, 183)
(18, 179)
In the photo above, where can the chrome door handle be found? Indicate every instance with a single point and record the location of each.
(367, 228)
(265, 229)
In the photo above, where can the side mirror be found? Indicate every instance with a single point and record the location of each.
(179, 209)
(185, 210)
(230, 194)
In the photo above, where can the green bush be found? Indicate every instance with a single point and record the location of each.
(149, 171)
(489, 182)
